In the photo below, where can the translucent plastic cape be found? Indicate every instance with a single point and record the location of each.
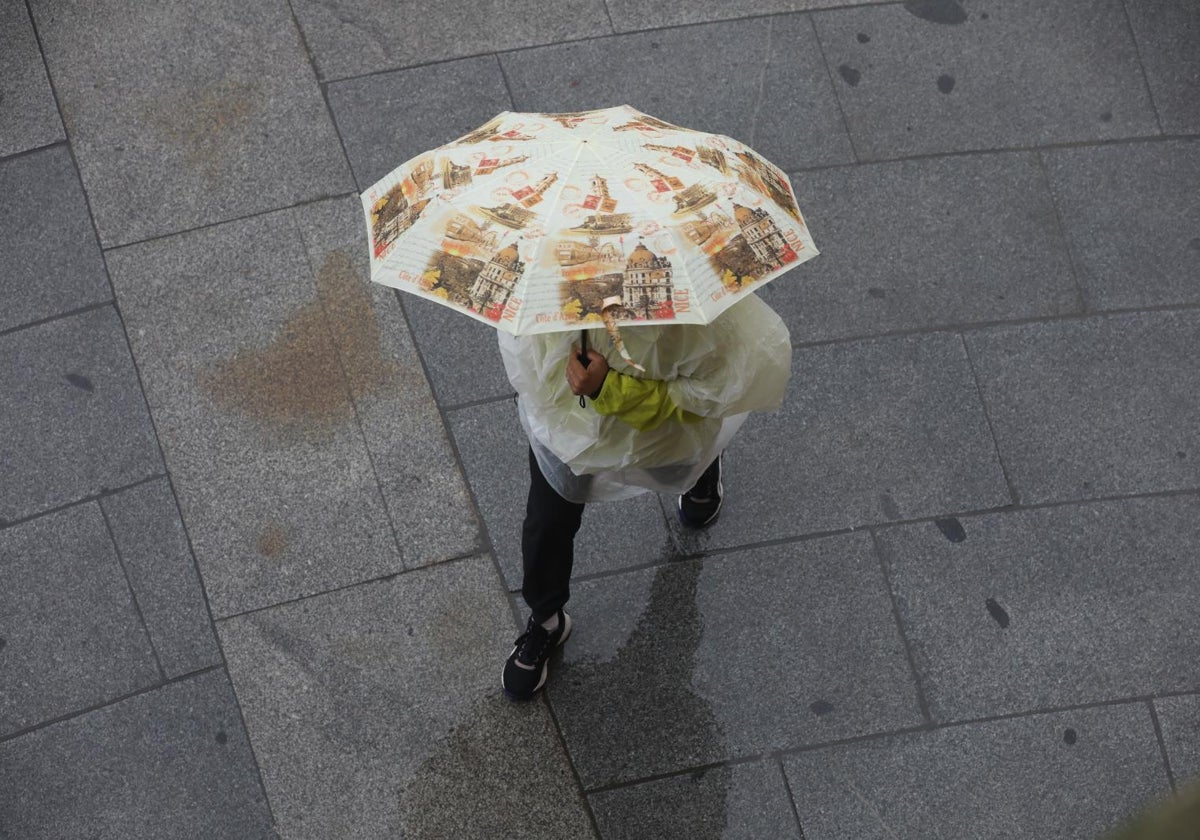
(721, 371)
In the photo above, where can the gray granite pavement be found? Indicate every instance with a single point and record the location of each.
(259, 518)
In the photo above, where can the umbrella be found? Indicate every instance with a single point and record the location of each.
(551, 222)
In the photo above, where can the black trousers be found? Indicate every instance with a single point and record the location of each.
(547, 545)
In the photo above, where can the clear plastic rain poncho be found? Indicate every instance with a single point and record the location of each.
(720, 371)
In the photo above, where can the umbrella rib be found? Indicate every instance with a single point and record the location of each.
(524, 282)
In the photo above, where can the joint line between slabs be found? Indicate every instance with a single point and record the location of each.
(60, 316)
(717, 553)
(987, 417)
(384, 578)
(137, 607)
(112, 701)
(787, 786)
(224, 663)
(583, 794)
(312, 63)
(1162, 745)
(605, 36)
(837, 99)
(512, 101)
(11, 156)
(922, 701)
(349, 389)
(483, 537)
(5, 524)
(1061, 229)
(904, 731)
(245, 218)
(1137, 51)
(980, 326)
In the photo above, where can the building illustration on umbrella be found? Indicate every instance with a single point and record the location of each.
(764, 238)
(392, 215)
(495, 283)
(646, 287)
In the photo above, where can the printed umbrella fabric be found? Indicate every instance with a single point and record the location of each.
(538, 222)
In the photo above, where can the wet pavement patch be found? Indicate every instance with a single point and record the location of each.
(952, 529)
(298, 385)
(949, 12)
(997, 612)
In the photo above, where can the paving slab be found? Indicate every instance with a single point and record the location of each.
(1179, 718)
(173, 762)
(870, 431)
(464, 370)
(740, 802)
(1066, 776)
(1130, 214)
(28, 112)
(948, 76)
(629, 15)
(255, 413)
(917, 244)
(1018, 611)
(694, 662)
(71, 637)
(389, 118)
(1168, 33)
(49, 252)
(376, 711)
(188, 113)
(772, 92)
(1095, 407)
(357, 37)
(495, 456)
(154, 551)
(427, 498)
(74, 417)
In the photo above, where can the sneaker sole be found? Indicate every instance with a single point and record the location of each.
(545, 666)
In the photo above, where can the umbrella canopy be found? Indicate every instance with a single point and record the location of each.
(544, 222)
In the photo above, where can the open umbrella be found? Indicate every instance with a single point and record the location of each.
(551, 222)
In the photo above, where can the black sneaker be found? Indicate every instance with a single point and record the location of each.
(699, 506)
(533, 649)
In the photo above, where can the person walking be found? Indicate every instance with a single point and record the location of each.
(600, 429)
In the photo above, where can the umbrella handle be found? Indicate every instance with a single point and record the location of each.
(583, 359)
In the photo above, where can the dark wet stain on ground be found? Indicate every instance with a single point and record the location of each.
(820, 707)
(949, 12)
(951, 529)
(222, 737)
(272, 541)
(888, 505)
(1195, 244)
(1107, 116)
(876, 292)
(1070, 737)
(997, 612)
(3, 643)
(654, 671)
(81, 381)
(945, 83)
(299, 385)
(201, 124)
(863, 38)
(626, 709)
(849, 75)
(1181, 455)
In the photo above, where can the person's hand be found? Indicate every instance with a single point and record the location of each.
(585, 381)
